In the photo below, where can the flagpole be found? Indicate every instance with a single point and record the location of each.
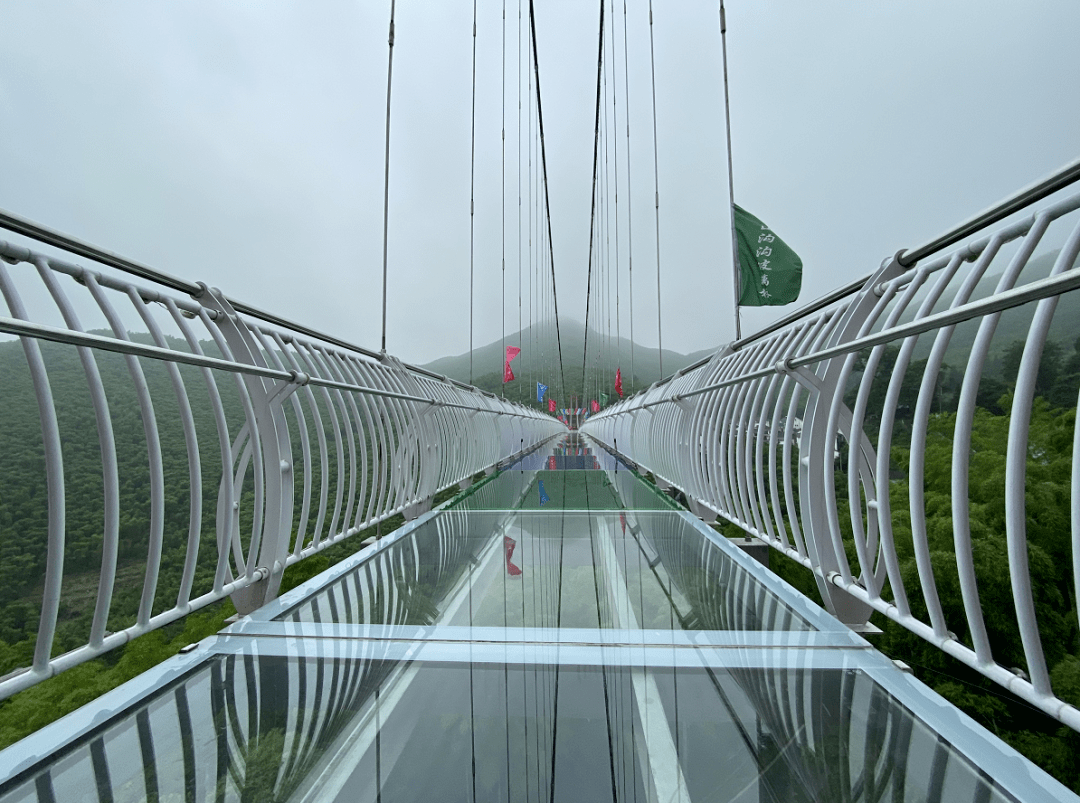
(730, 175)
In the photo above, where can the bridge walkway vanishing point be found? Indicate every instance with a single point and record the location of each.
(561, 631)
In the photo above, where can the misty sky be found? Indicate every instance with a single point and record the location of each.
(241, 144)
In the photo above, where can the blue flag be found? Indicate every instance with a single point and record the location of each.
(540, 391)
(544, 498)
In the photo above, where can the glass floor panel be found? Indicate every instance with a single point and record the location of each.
(627, 570)
(361, 726)
(557, 489)
(598, 645)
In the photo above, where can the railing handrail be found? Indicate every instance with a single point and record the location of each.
(1034, 192)
(1034, 291)
(57, 239)
(13, 326)
(774, 438)
(315, 443)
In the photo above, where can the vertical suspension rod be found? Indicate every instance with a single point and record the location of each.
(386, 179)
(656, 190)
(592, 215)
(502, 302)
(472, 195)
(547, 199)
(629, 188)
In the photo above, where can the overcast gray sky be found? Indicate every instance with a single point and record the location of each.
(241, 143)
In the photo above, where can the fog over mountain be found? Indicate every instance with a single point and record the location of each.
(538, 360)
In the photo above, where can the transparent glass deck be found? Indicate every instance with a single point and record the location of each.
(560, 632)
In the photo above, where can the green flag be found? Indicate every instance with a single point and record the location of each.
(770, 272)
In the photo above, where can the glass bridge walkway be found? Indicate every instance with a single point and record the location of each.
(559, 632)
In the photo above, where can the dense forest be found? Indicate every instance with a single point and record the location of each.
(23, 491)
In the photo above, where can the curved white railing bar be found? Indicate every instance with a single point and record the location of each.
(289, 442)
(796, 436)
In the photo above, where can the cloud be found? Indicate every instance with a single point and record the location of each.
(242, 144)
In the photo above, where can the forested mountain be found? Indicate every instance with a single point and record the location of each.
(538, 362)
(24, 494)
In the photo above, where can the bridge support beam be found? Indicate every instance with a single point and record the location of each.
(753, 547)
(418, 509)
(250, 598)
(704, 513)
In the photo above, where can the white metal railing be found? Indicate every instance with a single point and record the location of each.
(261, 442)
(805, 435)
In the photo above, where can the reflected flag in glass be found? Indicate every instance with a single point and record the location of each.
(540, 391)
(508, 547)
(544, 498)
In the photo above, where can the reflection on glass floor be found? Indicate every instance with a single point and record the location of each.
(558, 569)
(355, 726)
(600, 646)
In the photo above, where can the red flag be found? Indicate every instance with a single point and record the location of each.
(595, 406)
(508, 545)
(622, 521)
(551, 463)
(551, 405)
(511, 352)
(618, 381)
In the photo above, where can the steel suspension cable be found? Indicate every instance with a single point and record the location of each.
(519, 238)
(502, 300)
(615, 150)
(629, 189)
(656, 188)
(528, 372)
(472, 195)
(606, 365)
(386, 179)
(547, 199)
(592, 214)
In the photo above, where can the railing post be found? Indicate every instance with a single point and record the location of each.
(817, 457)
(269, 546)
(426, 440)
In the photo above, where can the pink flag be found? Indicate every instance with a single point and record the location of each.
(551, 405)
(511, 352)
(595, 406)
(618, 381)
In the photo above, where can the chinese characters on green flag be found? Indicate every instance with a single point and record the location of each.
(770, 272)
